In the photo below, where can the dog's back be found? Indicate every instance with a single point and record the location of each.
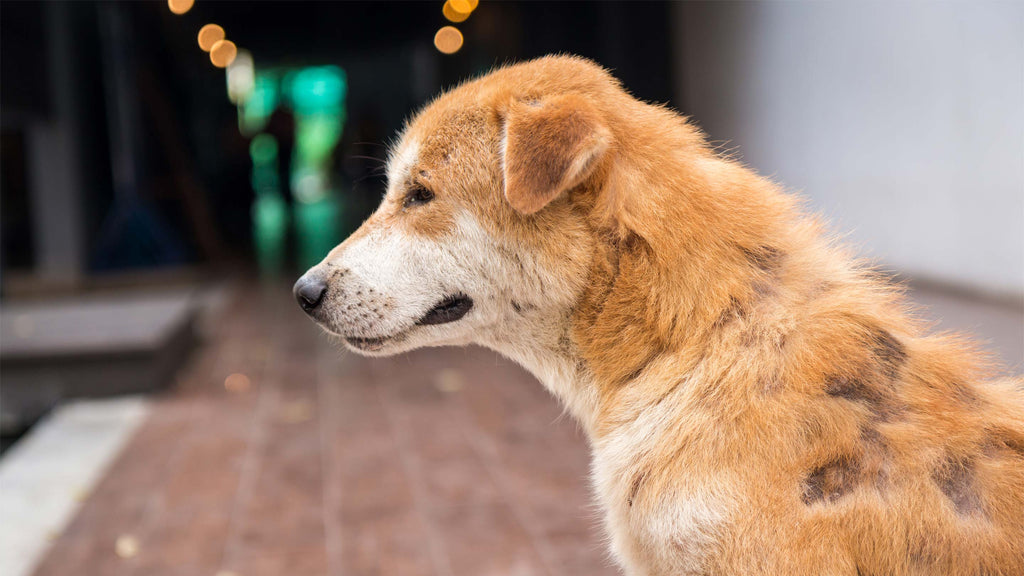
(758, 401)
(768, 404)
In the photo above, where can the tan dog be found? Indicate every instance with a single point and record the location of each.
(757, 401)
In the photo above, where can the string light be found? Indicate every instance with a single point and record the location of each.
(179, 7)
(209, 35)
(456, 10)
(223, 53)
(448, 40)
(237, 382)
(241, 77)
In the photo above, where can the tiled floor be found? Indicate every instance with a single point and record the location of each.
(310, 461)
(441, 462)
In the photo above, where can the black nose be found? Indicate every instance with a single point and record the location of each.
(309, 291)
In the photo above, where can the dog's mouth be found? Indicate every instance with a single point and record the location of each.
(368, 344)
(448, 310)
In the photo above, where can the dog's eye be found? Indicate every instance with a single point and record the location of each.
(418, 195)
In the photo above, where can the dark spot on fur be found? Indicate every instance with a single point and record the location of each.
(581, 366)
(517, 307)
(873, 385)
(770, 383)
(734, 311)
(830, 482)
(638, 482)
(632, 243)
(1003, 441)
(890, 352)
(876, 396)
(565, 344)
(821, 288)
(875, 457)
(955, 477)
(765, 258)
(923, 552)
(1014, 444)
(763, 289)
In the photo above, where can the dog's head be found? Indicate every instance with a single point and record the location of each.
(480, 228)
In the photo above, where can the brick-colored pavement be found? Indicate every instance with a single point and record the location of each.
(443, 462)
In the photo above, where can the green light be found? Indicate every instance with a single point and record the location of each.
(316, 95)
(260, 104)
(317, 227)
(263, 150)
(317, 89)
(270, 225)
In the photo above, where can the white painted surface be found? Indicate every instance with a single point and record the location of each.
(902, 121)
(46, 475)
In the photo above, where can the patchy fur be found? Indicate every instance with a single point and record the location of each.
(757, 400)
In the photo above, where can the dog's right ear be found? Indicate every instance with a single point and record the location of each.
(549, 147)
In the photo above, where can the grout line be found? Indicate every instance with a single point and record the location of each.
(155, 506)
(438, 555)
(251, 462)
(537, 541)
(330, 479)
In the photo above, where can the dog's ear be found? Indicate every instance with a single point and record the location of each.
(550, 146)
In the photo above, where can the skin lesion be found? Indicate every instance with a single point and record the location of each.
(955, 477)
(831, 481)
(873, 384)
(767, 259)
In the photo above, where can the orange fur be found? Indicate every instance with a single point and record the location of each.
(759, 402)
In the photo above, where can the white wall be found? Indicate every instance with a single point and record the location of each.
(902, 121)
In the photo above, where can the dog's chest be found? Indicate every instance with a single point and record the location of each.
(660, 521)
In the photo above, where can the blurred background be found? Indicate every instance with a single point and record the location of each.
(169, 167)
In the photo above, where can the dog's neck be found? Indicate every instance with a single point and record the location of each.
(543, 345)
(670, 259)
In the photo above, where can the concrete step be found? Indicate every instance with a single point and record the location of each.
(89, 347)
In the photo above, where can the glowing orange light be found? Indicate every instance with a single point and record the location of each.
(237, 383)
(448, 40)
(456, 10)
(473, 4)
(223, 53)
(210, 35)
(179, 7)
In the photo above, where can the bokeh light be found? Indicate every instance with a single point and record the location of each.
(456, 10)
(237, 382)
(448, 40)
(210, 35)
(179, 7)
(241, 77)
(223, 53)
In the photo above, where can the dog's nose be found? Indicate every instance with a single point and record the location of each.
(309, 291)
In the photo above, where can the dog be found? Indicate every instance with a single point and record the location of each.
(756, 399)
